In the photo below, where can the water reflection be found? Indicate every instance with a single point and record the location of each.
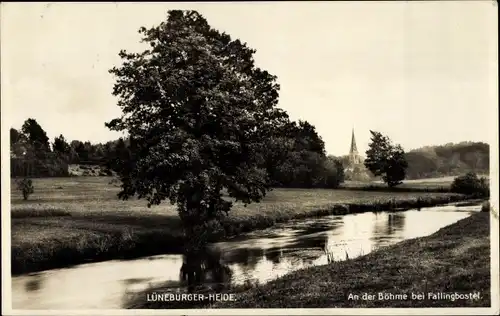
(274, 256)
(34, 284)
(259, 256)
(204, 269)
(387, 227)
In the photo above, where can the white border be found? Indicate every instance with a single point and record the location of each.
(495, 296)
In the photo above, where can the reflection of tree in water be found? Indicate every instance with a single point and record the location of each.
(384, 230)
(247, 258)
(204, 268)
(274, 255)
(34, 284)
(396, 222)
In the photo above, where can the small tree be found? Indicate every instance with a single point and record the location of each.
(26, 187)
(198, 113)
(386, 160)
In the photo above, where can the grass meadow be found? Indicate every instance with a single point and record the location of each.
(79, 219)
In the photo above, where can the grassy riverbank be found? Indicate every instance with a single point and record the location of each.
(454, 259)
(74, 220)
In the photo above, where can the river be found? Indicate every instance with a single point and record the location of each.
(259, 256)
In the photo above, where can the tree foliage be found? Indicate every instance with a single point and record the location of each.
(17, 147)
(297, 159)
(334, 173)
(15, 136)
(386, 160)
(448, 160)
(198, 113)
(31, 155)
(36, 136)
(26, 187)
(61, 146)
(119, 156)
(471, 184)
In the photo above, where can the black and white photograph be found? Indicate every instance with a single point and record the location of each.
(240, 158)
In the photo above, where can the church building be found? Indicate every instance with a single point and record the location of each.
(354, 157)
(354, 163)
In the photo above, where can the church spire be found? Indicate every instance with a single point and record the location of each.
(354, 149)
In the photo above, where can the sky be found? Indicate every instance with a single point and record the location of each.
(422, 73)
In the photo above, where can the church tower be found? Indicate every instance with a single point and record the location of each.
(354, 157)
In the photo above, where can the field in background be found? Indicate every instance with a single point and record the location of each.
(431, 184)
(442, 183)
(70, 220)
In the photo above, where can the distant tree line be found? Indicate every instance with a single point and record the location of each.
(448, 160)
(297, 159)
(452, 159)
(33, 155)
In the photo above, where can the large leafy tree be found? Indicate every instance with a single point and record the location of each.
(386, 159)
(198, 113)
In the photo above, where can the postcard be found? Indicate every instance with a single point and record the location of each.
(237, 158)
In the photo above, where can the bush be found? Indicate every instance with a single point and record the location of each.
(332, 179)
(486, 206)
(470, 184)
(26, 187)
(331, 175)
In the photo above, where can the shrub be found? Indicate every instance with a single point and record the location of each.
(470, 184)
(332, 174)
(486, 206)
(332, 179)
(26, 187)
